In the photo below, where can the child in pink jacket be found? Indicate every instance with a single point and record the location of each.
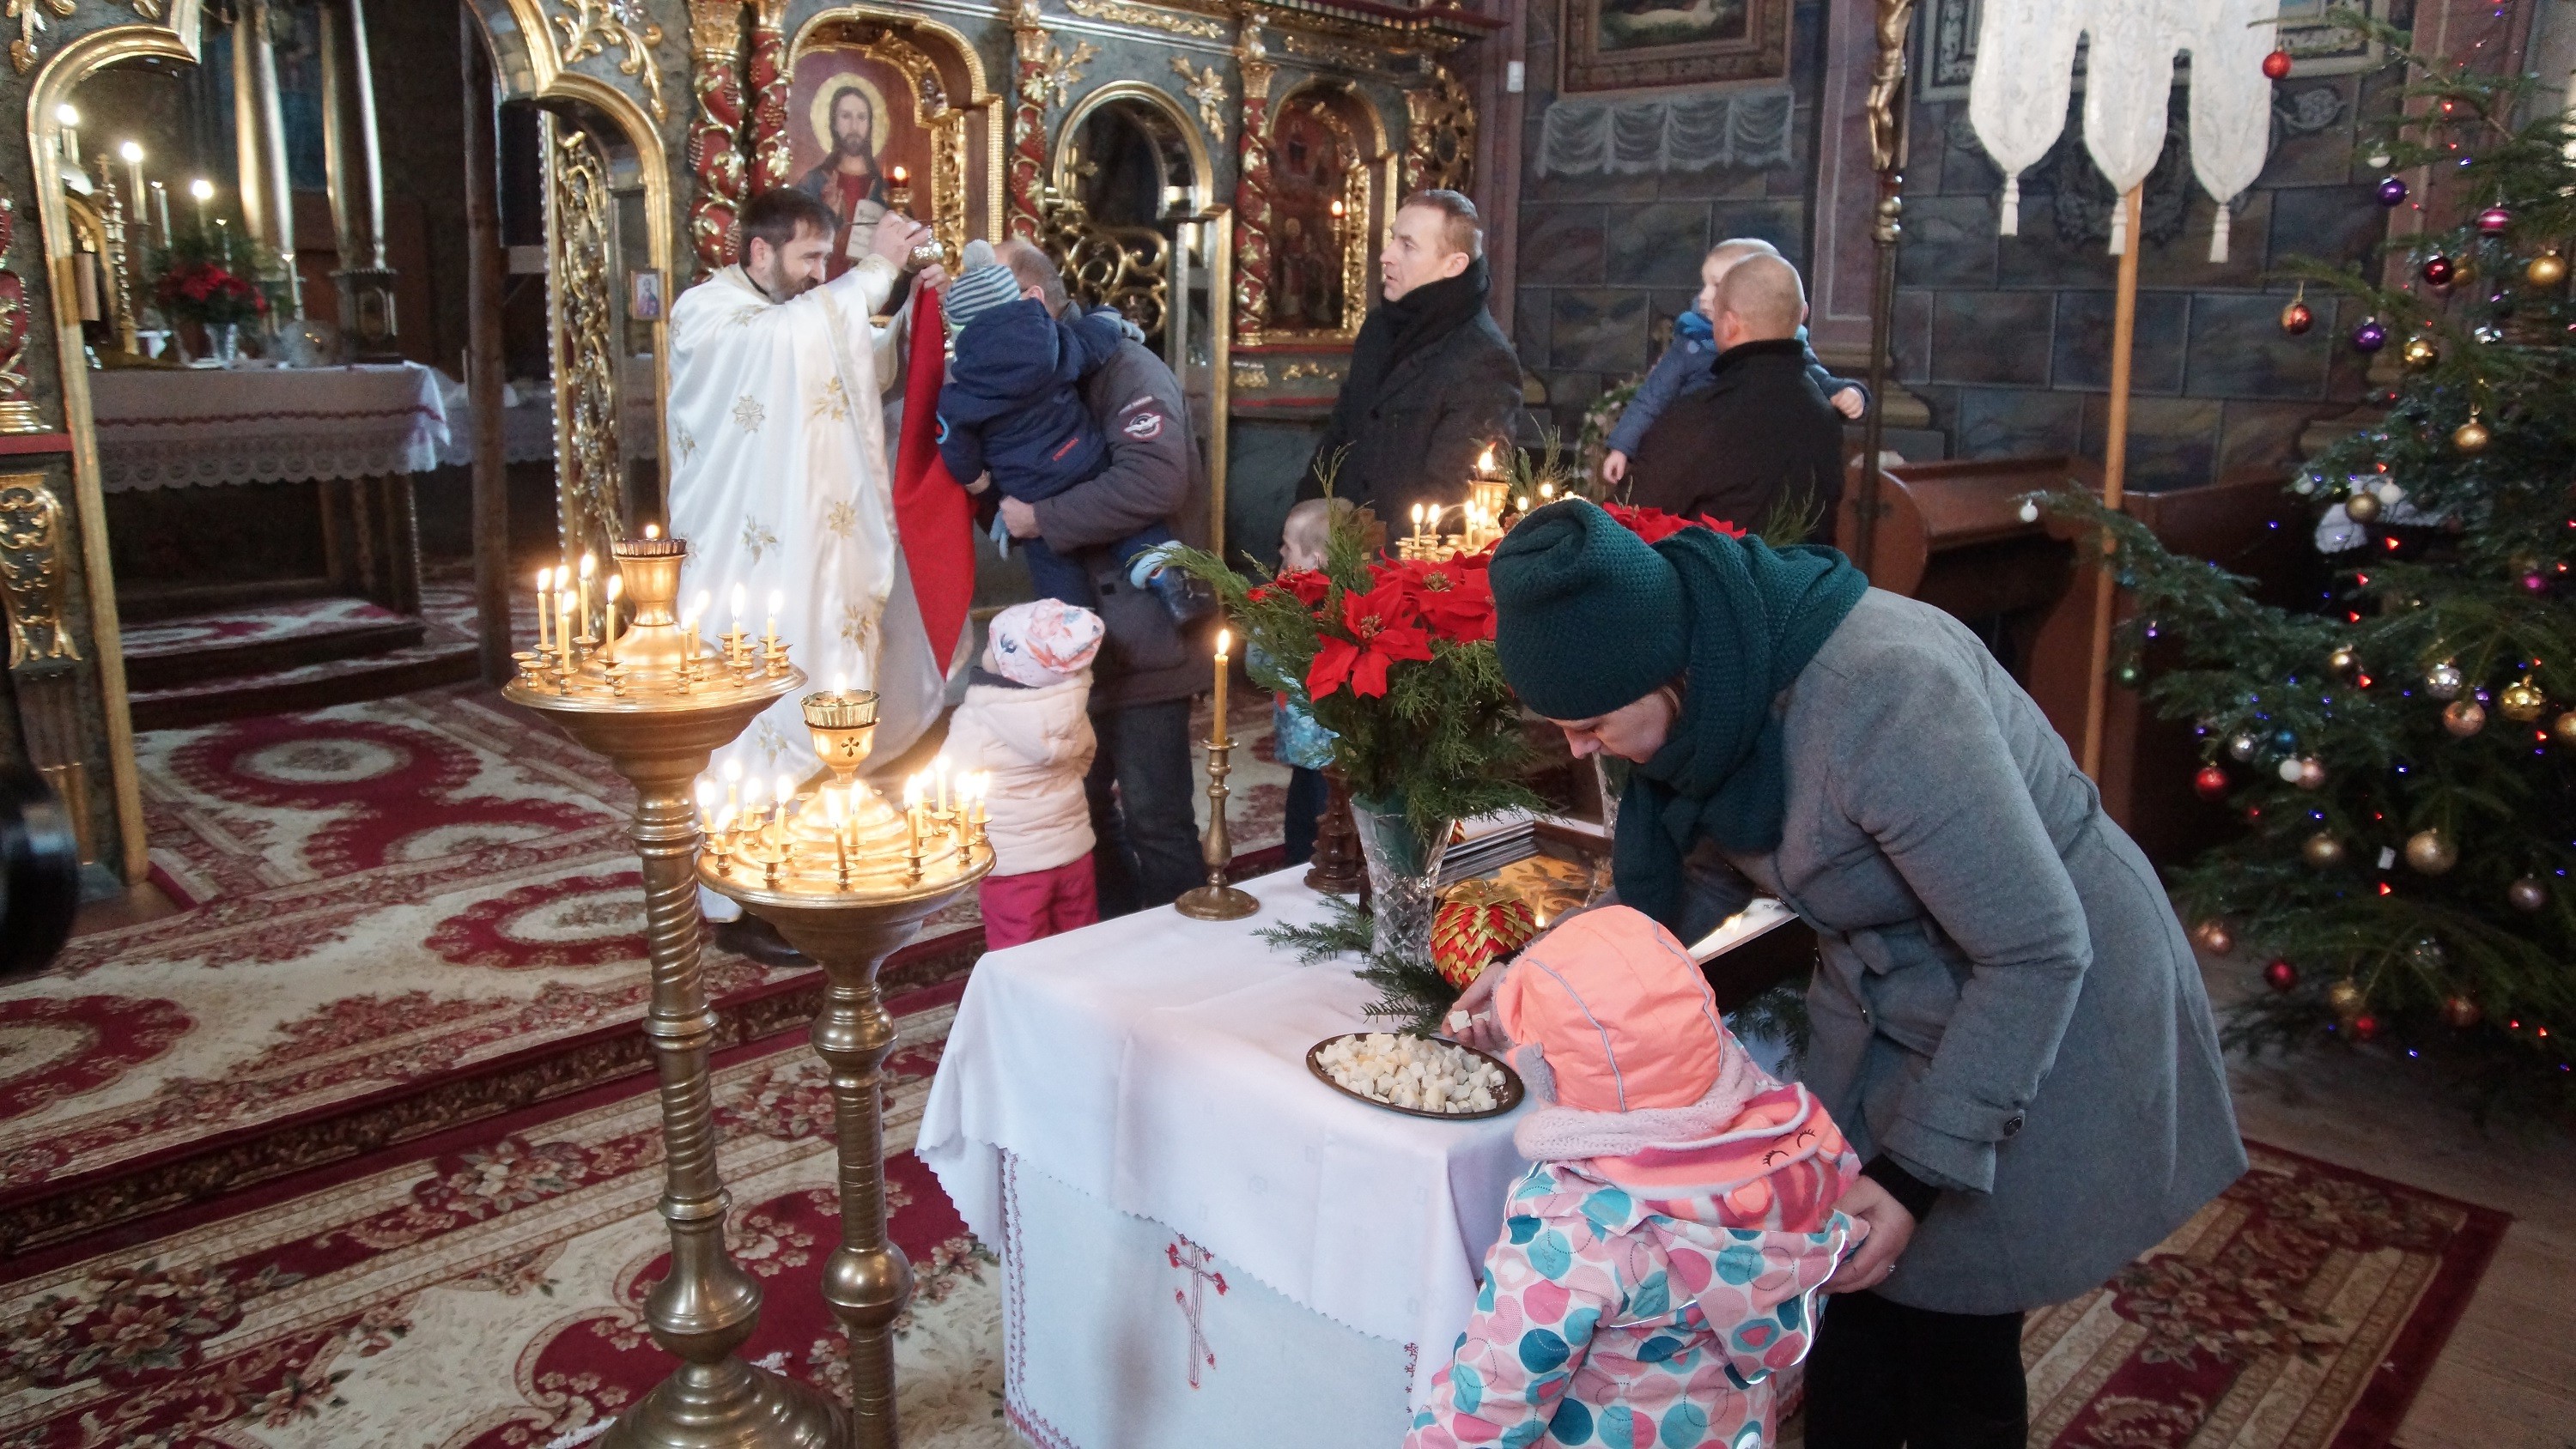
(1026, 718)
(1660, 1262)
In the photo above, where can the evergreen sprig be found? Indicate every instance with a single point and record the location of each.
(1412, 997)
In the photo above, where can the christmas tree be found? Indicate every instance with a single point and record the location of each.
(2403, 757)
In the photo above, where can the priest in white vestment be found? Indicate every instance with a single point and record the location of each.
(780, 475)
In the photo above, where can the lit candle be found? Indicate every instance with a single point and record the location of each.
(201, 191)
(581, 600)
(133, 156)
(697, 620)
(840, 842)
(1546, 491)
(161, 210)
(565, 629)
(912, 818)
(706, 805)
(652, 531)
(608, 626)
(1522, 503)
(224, 239)
(1417, 520)
(983, 787)
(901, 176)
(1224, 642)
(545, 634)
(752, 790)
(777, 601)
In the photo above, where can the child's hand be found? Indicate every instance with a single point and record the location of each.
(1471, 1020)
(1849, 403)
(1615, 467)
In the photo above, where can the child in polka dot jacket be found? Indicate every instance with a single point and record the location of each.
(1659, 1264)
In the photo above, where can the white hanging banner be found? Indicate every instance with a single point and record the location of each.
(2231, 101)
(2018, 105)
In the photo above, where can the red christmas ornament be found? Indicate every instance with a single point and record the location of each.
(1478, 922)
(2211, 782)
(2297, 319)
(2365, 1026)
(2277, 64)
(2439, 270)
(2280, 975)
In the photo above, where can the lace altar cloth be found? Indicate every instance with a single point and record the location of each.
(194, 427)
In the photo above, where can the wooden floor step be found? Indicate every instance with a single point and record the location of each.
(315, 686)
(320, 644)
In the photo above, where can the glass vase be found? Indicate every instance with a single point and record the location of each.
(223, 343)
(1404, 874)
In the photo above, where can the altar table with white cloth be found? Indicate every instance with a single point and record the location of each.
(198, 426)
(1202, 1243)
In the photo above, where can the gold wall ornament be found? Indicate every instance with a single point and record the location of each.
(589, 27)
(1119, 12)
(32, 573)
(1303, 371)
(771, 165)
(1208, 89)
(1440, 144)
(1126, 267)
(18, 412)
(1252, 376)
(581, 252)
(714, 155)
(1252, 191)
(1049, 78)
(1886, 77)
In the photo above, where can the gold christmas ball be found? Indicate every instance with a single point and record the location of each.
(2431, 852)
(2464, 718)
(2214, 937)
(2527, 895)
(2342, 660)
(2344, 999)
(2461, 1012)
(2361, 507)
(2312, 774)
(2522, 702)
(2322, 850)
(2471, 437)
(2546, 270)
(2565, 728)
(2420, 352)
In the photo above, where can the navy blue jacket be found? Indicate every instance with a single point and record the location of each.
(1010, 404)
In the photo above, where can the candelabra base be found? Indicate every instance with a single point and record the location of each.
(729, 1405)
(1216, 901)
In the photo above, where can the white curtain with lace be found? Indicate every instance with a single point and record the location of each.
(2017, 95)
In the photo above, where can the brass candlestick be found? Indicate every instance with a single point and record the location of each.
(1217, 901)
(847, 881)
(657, 710)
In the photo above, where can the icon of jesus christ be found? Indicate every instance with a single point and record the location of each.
(848, 180)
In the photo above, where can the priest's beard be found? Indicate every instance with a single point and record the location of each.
(769, 274)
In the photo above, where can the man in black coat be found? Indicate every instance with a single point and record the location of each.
(1760, 436)
(1433, 382)
(1149, 666)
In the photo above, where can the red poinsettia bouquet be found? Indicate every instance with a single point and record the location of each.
(1654, 524)
(208, 294)
(1396, 658)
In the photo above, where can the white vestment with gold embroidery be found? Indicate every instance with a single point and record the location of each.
(780, 482)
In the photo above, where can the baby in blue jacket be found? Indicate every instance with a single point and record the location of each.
(1684, 367)
(1012, 407)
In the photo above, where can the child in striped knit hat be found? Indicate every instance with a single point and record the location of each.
(1660, 1262)
(1012, 407)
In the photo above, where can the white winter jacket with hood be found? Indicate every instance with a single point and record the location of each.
(1038, 744)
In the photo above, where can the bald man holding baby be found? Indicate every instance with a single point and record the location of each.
(1761, 436)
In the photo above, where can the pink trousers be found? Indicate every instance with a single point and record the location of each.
(1037, 904)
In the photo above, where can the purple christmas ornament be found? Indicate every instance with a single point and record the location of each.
(2494, 220)
(2370, 336)
(2392, 191)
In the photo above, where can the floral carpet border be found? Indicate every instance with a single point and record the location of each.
(75, 1206)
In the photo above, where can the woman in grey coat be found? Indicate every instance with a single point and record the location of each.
(2008, 1023)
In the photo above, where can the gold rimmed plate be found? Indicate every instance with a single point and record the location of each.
(1509, 1098)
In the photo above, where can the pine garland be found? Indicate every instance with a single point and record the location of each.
(1413, 997)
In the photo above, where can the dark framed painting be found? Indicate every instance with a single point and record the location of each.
(855, 141)
(1623, 45)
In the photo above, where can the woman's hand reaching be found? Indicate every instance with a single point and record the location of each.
(1890, 1227)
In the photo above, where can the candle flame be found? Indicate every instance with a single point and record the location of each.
(752, 790)
(706, 794)
(652, 531)
(840, 684)
(1485, 461)
(912, 792)
(544, 577)
(202, 189)
(699, 606)
(733, 772)
(132, 153)
(589, 565)
(1417, 515)
(832, 806)
(1546, 491)
(741, 601)
(65, 114)
(786, 788)
(1224, 641)
(777, 600)
(616, 587)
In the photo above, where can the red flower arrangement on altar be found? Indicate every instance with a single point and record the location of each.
(1653, 524)
(1396, 658)
(207, 294)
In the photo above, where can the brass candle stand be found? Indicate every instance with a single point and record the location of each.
(657, 702)
(1217, 900)
(848, 879)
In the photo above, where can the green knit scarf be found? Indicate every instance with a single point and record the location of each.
(1755, 616)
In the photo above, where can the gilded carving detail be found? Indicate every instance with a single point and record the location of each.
(31, 571)
(17, 411)
(589, 27)
(1251, 376)
(715, 132)
(30, 15)
(1028, 120)
(581, 244)
(1119, 12)
(1440, 145)
(1252, 193)
(1049, 77)
(770, 163)
(1208, 89)
(1126, 267)
(1885, 77)
(1310, 372)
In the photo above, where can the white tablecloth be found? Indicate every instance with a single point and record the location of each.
(1157, 1065)
(187, 427)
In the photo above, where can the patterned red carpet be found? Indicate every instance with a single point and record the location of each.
(482, 1288)
(403, 915)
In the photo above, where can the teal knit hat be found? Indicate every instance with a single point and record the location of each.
(1587, 618)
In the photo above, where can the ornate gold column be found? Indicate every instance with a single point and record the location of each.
(43, 661)
(1028, 121)
(769, 154)
(715, 132)
(1252, 192)
(581, 266)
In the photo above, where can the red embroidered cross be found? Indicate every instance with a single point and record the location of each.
(1194, 1260)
